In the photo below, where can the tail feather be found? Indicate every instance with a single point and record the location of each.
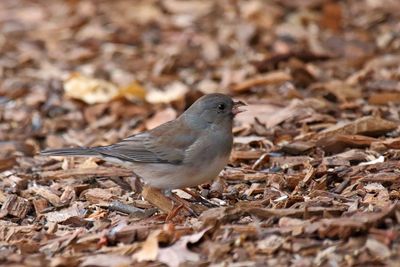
(78, 151)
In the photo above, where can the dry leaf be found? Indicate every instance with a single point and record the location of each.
(150, 249)
(178, 253)
(92, 91)
(172, 92)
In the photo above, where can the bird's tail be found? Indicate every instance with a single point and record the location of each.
(78, 151)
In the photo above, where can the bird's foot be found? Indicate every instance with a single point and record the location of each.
(200, 198)
(172, 214)
(167, 192)
(184, 205)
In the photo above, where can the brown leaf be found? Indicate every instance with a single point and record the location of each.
(179, 252)
(149, 250)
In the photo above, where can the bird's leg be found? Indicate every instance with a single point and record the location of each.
(180, 201)
(200, 198)
(167, 192)
(185, 205)
(173, 213)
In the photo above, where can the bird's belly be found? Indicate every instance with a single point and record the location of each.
(169, 176)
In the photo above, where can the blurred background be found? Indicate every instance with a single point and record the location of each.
(119, 52)
(313, 178)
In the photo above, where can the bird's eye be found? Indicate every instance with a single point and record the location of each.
(221, 106)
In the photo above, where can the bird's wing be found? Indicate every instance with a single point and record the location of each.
(167, 143)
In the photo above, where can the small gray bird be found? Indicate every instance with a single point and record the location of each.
(185, 152)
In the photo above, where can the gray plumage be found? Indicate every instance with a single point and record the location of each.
(176, 154)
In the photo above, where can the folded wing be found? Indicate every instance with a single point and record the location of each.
(167, 143)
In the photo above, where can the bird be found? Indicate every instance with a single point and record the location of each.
(185, 152)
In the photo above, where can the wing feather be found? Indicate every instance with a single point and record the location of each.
(167, 143)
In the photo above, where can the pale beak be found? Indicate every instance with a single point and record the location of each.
(236, 107)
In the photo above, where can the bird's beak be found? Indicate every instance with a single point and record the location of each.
(236, 107)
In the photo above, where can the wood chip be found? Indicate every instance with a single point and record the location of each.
(248, 154)
(384, 98)
(40, 205)
(98, 195)
(382, 177)
(15, 206)
(263, 213)
(7, 163)
(47, 194)
(86, 172)
(65, 214)
(267, 79)
(371, 126)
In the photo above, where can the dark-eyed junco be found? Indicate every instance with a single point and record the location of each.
(185, 152)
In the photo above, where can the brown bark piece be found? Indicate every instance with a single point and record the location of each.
(248, 154)
(384, 98)
(85, 172)
(7, 163)
(75, 211)
(98, 195)
(370, 125)
(40, 205)
(338, 143)
(266, 79)
(47, 194)
(15, 206)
